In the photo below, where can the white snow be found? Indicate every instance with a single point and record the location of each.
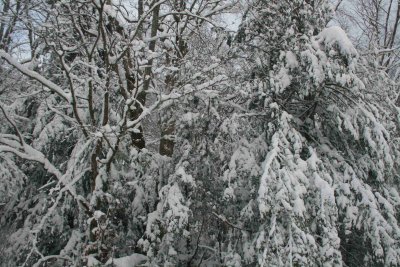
(291, 60)
(128, 261)
(52, 86)
(336, 35)
(185, 177)
(92, 262)
(98, 214)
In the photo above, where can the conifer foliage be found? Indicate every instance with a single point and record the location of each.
(142, 133)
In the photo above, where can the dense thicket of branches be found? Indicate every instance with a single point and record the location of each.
(145, 133)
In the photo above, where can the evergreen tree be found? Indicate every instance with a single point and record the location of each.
(157, 138)
(328, 170)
